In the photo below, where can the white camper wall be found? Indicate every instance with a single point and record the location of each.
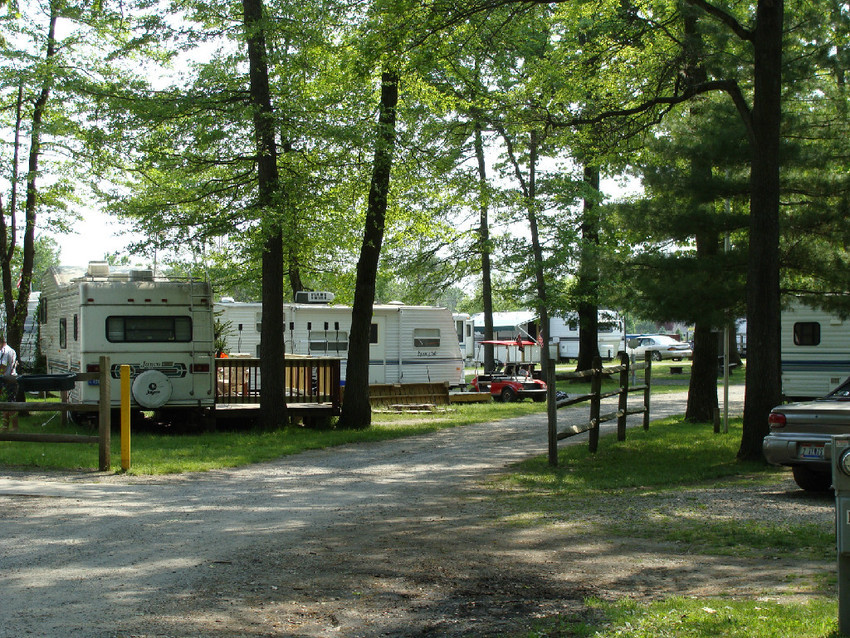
(810, 369)
(233, 315)
(322, 330)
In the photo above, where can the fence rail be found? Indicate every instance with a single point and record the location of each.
(103, 438)
(592, 425)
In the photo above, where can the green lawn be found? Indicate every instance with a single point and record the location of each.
(658, 478)
(157, 453)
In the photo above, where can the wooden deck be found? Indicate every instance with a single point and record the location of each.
(312, 386)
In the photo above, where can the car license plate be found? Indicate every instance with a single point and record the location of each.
(811, 451)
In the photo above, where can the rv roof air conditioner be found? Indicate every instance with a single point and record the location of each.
(141, 275)
(310, 296)
(98, 269)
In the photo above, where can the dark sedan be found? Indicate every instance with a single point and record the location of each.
(801, 433)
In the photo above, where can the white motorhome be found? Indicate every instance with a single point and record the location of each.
(409, 344)
(564, 332)
(815, 347)
(161, 328)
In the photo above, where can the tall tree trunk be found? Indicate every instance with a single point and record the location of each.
(588, 277)
(293, 268)
(537, 251)
(763, 381)
(484, 243)
(702, 391)
(356, 411)
(273, 412)
(16, 305)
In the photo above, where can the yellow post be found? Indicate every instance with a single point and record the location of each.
(125, 417)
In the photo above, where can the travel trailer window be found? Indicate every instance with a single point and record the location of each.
(373, 333)
(806, 333)
(148, 329)
(76, 328)
(426, 337)
(63, 333)
(334, 341)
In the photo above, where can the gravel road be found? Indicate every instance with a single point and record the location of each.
(360, 540)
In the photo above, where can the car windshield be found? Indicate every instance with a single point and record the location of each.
(841, 392)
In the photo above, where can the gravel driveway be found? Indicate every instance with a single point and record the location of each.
(392, 538)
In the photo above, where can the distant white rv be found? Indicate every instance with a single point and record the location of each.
(563, 332)
(815, 347)
(611, 335)
(465, 334)
(408, 344)
(29, 339)
(161, 328)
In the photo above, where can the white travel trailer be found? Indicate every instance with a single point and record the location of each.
(161, 328)
(29, 339)
(564, 333)
(465, 334)
(409, 344)
(815, 346)
(611, 335)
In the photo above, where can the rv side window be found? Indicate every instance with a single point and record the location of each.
(373, 333)
(63, 333)
(806, 333)
(333, 342)
(426, 337)
(76, 328)
(137, 329)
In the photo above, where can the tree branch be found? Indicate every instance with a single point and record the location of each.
(724, 17)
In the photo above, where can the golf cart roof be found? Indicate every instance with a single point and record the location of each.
(509, 342)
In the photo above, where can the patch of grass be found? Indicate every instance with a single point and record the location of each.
(173, 453)
(672, 452)
(695, 618)
(656, 485)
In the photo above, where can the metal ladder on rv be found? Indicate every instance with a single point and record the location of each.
(200, 305)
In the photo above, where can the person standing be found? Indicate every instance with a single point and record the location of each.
(8, 382)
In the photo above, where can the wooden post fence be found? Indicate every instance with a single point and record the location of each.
(595, 397)
(102, 408)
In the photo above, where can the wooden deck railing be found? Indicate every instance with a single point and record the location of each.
(309, 380)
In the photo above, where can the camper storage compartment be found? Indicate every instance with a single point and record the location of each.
(47, 382)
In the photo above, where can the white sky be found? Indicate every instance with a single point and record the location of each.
(96, 236)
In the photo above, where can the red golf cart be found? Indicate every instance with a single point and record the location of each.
(511, 381)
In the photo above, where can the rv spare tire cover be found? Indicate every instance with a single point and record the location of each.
(151, 389)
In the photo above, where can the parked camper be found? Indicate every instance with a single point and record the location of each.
(29, 339)
(465, 334)
(563, 332)
(815, 347)
(409, 344)
(162, 329)
(611, 335)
